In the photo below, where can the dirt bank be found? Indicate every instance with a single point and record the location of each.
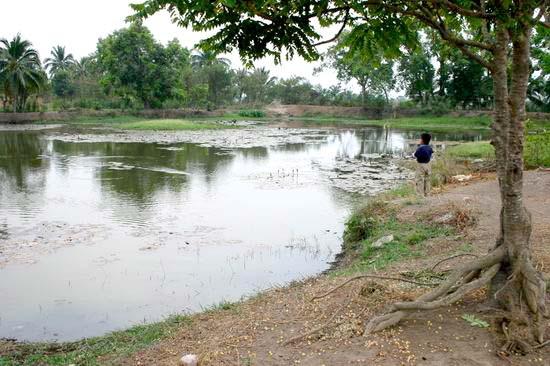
(257, 331)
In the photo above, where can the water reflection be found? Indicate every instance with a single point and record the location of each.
(99, 236)
(20, 159)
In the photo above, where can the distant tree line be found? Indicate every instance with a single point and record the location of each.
(132, 70)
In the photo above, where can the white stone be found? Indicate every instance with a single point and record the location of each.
(462, 178)
(189, 360)
(445, 218)
(382, 241)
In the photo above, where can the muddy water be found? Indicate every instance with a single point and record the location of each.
(100, 231)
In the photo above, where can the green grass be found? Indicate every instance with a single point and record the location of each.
(408, 242)
(88, 351)
(480, 149)
(125, 119)
(253, 113)
(171, 125)
(221, 306)
(423, 122)
(401, 191)
(379, 218)
(88, 120)
(536, 150)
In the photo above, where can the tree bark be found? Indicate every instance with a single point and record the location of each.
(363, 93)
(517, 281)
(442, 75)
(14, 99)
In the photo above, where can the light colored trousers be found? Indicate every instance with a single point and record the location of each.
(423, 179)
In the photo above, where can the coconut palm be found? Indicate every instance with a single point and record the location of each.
(3, 92)
(20, 69)
(257, 83)
(207, 58)
(240, 80)
(60, 60)
(83, 67)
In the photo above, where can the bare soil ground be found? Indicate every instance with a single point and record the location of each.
(257, 331)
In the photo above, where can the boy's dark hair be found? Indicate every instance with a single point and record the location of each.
(426, 138)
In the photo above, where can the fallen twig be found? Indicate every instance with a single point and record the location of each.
(453, 257)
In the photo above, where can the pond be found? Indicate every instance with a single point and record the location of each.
(101, 230)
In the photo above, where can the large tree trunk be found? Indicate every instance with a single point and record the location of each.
(363, 93)
(443, 75)
(515, 285)
(518, 286)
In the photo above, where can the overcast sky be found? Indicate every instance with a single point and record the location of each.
(78, 24)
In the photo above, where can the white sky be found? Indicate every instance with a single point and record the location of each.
(78, 24)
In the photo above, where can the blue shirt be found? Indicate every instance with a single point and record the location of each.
(423, 154)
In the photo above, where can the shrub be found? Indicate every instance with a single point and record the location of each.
(445, 167)
(537, 149)
(362, 222)
(252, 113)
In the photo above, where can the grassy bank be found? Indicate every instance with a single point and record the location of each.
(379, 218)
(171, 125)
(422, 123)
(148, 124)
(88, 120)
(536, 150)
(90, 351)
(228, 116)
(426, 122)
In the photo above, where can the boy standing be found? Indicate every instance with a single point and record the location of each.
(423, 157)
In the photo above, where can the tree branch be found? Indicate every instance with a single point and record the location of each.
(542, 11)
(337, 35)
(462, 11)
(484, 25)
(440, 25)
(461, 43)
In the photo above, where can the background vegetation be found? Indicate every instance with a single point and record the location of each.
(132, 70)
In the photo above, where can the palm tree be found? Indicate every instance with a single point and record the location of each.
(20, 69)
(207, 58)
(3, 92)
(59, 60)
(257, 84)
(83, 67)
(240, 79)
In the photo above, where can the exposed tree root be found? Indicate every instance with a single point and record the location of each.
(543, 344)
(459, 283)
(426, 284)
